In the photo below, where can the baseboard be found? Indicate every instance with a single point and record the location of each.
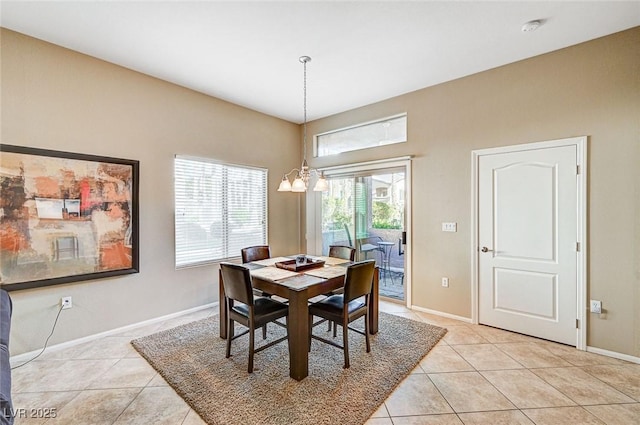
(27, 356)
(614, 354)
(442, 314)
(594, 350)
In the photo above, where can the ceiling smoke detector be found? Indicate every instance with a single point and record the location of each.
(531, 26)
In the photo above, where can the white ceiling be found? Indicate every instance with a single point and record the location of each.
(362, 51)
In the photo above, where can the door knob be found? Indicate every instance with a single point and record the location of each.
(485, 249)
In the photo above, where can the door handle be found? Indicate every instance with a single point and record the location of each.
(485, 249)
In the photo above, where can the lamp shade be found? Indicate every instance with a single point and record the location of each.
(285, 186)
(321, 185)
(298, 185)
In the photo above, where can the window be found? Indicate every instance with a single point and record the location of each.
(386, 131)
(381, 192)
(219, 209)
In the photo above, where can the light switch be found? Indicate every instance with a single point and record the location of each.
(449, 227)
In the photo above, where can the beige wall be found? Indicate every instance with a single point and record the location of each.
(54, 98)
(57, 99)
(591, 89)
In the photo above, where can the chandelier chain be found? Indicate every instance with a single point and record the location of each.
(304, 90)
(303, 174)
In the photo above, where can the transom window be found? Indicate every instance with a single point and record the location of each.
(381, 132)
(219, 209)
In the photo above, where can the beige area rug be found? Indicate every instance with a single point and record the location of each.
(191, 359)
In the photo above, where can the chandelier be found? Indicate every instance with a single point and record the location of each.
(303, 174)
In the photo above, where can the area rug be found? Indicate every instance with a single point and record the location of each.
(191, 358)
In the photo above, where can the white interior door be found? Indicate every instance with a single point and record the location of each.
(527, 237)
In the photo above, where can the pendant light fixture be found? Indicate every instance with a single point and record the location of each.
(303, 174)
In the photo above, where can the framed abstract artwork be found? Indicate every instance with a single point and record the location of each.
(66, 217)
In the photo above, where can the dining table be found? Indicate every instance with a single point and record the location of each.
(299, 287)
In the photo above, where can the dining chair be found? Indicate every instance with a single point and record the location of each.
(342, 251)
(346, 253)
(251, 312)
(256, 253)
(347, 307)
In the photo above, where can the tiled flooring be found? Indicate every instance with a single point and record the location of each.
(475, 375)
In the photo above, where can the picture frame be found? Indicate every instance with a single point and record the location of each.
(66, 217)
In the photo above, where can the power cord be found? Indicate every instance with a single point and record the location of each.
(45, 343)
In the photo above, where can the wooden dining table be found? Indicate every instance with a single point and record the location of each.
(299, 288)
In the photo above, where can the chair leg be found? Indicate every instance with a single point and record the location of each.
(286, 329)
(328, 325)
(251, 347)
(366, 332)
(229, 337)
(264, 332)
(310, 331)
(345, 342)
(335, 329)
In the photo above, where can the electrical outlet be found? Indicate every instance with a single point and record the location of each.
(596, 306)
(445, 282)
(66, 302)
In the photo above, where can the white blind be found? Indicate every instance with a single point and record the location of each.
(220, 209)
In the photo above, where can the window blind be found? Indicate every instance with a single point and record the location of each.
(219, 209)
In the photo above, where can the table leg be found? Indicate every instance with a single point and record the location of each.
(298, 335)
(223, 307)
(373, 302)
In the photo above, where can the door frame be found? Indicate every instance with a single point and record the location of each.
(314, 203)
(581, 209)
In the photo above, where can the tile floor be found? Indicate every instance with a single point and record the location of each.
(475, 375)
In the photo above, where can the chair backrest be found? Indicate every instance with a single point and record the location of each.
(373, 240)
(255, 253)
(236, 280)
(346, 229)
(358, 280)
(341, 251)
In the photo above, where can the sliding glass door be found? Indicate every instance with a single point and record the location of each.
(366, 210)
(338, 213)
